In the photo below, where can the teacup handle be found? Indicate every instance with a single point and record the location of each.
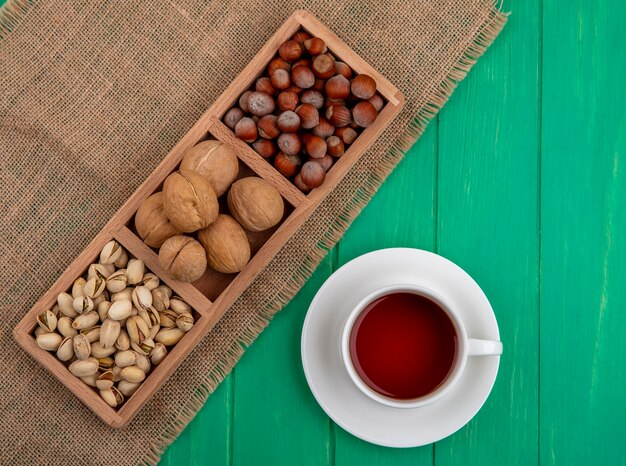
(484, 347)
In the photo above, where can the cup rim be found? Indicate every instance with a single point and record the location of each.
(458, 364)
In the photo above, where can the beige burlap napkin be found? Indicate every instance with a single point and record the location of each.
(93, 94)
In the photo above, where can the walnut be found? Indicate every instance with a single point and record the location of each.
(255, 204)
(151, 222)
(183, 258)
(226, 245)
(189, 201)
(216, 161)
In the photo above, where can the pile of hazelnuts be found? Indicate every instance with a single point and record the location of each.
(305, 110)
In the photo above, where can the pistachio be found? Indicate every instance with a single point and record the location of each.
(116, 281)
(185, 322)
(167, 318)
(142, 297)
(134, 271)
(65, 302)
(64, 326)
(106, 363)
(169, 336)
(40, 331)
(117, 371)
(90, 379)
(153, 331)
(78, 288)
(65, 352)
(121, 262)
(82, 304)
(120, 310)
(123, 340)
(87, 320)
(112, 396)
(84, 367)
(105, 380)
(49, 341)
(82, 347)
(92, 334)
(158, 353)
(127, 388)
(144, 348)
(103, 310)
(125, 358)
(150, 281)
(150, 315)
(143, 362)
(101, 298)
(55, 310)
(160, 299)
(126, 293)
(110, 252)
(99, 270)
(94, 287)
(109, 332)
(179, 306)
(133, 374)
(137, 329)
(47, 320)
(99, 351)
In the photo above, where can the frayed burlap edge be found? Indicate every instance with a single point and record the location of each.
(13, 11)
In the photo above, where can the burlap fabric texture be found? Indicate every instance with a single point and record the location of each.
(94, 93)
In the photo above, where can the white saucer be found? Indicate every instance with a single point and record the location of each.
(327, 376)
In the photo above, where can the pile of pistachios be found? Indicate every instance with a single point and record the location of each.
(114, 325)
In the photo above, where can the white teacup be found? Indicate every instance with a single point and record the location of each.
(466, 347)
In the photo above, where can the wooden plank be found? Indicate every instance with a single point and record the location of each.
(402, 213)
(488, 224)
(276, 418)
(583, 254)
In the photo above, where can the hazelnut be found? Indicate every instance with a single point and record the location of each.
(343, 69)
(335, 146)
(280, 79)
(267, 127)
(323, 66)
(260, 103)
(255, 204)
(313, 97)
(331, 102)
(302, 62)
(183, 258)
(363, 86)
(288, 121)
(377, 101)
(189, 201)
(295, 89)
(312, 174)
(289, 143)
(276, 64)
(302, 76)
(215, 161)
(337, 87)
(338, 115)
(287, 100)
(346, 134)
(226, 245)
(301, 36)
(265, 84)
(315, 146)
(245, 129)
(323, 129)
(309, 116)
(232, 117)
(320, 85)
(364, 113)
(287, 165)
(315, 46)
(326, 162)
(290, 51)
(243, 101)
(300, 184)
(152, 224)
(266, 148)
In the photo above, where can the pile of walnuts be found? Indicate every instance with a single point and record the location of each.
(184, 220)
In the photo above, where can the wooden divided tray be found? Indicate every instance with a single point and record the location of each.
(212, 294)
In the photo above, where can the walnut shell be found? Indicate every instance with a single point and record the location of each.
(183, 258)
(189, 201)
(216, 161)
(255, 204)
(226, 245)
(151, 222)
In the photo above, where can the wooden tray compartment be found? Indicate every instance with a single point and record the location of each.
(212, 295)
